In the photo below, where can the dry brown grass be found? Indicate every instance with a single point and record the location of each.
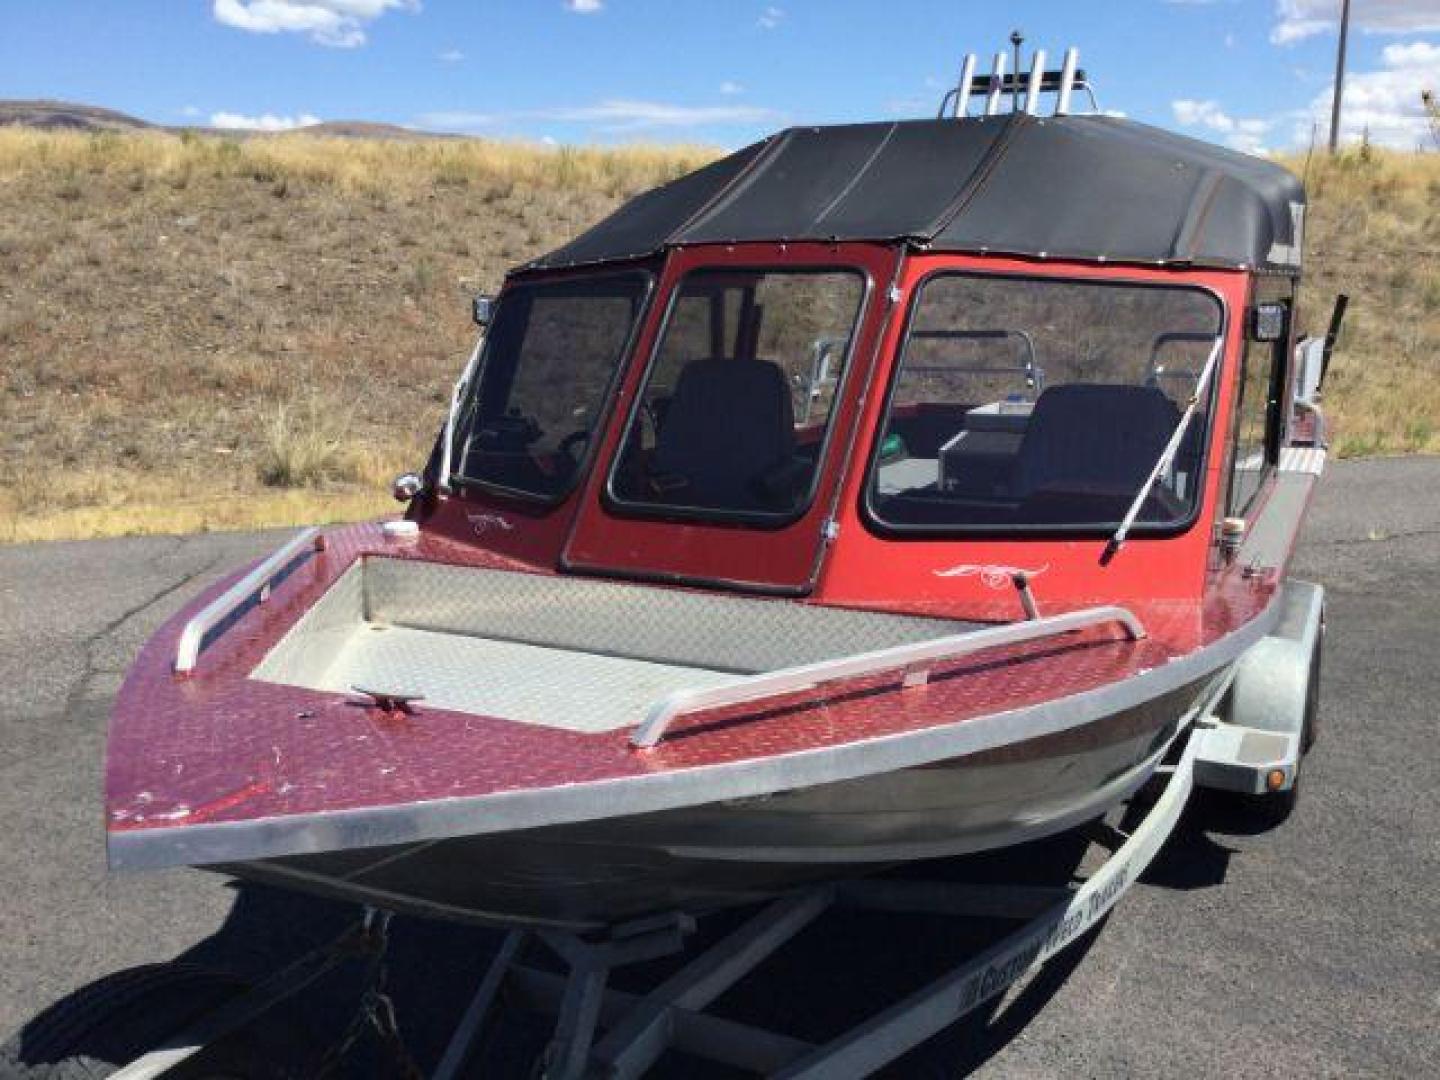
(204, 333)
(1375, 234)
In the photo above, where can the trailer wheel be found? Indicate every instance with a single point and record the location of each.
(98, 1029)
(1271, 810)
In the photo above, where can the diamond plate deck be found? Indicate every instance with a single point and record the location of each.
(530, 684)
(575, 654)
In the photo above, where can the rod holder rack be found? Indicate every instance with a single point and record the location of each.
(1023, 88)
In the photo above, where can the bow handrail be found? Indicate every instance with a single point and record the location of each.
(917, 658)
(193, 637)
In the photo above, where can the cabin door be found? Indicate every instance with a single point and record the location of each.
(723, 461)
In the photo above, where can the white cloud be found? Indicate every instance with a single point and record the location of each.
(1413, 54)
(456, 120)
(1190, 113)
(1239, 133)
(229, 121)
(618, 115)
(584, 7)
(190, 110)
(1300, 19)
(770, 18)
(337, 23)
(730, 89)
(450, 56)
(1384, 104)
(622, 114)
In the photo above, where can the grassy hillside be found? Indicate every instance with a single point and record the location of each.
(1374, 232)
(204, 333)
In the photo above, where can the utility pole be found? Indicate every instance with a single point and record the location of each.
(1339, 77)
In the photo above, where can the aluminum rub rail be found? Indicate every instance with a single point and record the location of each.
(192, 638)
(917, 658)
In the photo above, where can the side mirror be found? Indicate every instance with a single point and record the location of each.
(481, 309)
(406, 486)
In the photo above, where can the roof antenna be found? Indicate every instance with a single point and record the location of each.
(1016, 39)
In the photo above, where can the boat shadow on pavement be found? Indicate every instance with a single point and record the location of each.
(845, 967)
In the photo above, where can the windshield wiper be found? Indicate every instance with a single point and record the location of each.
(1167, 456)
(443, 480)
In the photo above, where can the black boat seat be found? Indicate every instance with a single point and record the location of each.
(728, 438)
(1093, 437)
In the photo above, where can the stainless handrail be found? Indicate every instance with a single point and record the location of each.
(192, 638)
(909, 656)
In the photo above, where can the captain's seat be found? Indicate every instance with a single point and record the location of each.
(1092, 440)
(728, 438)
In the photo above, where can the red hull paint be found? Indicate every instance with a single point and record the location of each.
(220, 747)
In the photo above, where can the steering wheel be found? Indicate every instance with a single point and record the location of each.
(508, 433)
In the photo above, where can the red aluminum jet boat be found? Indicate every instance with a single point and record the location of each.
(876, 493)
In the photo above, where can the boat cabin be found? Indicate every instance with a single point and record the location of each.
(895, 365)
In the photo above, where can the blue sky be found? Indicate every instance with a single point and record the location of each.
(1251, 73)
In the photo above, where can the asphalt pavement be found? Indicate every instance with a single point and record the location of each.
(1309, 950)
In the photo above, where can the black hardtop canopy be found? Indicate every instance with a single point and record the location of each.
(1090, 188)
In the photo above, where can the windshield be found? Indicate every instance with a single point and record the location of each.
(736, 407)
(550, 355)
(1026, 403)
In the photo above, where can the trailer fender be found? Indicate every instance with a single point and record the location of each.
(1266, 720)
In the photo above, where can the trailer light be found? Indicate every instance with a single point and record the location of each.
(1275, 780)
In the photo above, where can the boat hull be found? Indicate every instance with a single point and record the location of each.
(601, 872)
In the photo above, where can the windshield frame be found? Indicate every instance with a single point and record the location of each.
(869, 487)
(605, 405)
(768, 520)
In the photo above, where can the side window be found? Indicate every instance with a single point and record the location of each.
(1256, 415)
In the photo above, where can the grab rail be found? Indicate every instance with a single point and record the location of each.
(909, 656)
(192, 638)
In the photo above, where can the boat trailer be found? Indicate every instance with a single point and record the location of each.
(602, 1031)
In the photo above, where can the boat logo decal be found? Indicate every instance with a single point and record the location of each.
(483, 523)
(994, 575)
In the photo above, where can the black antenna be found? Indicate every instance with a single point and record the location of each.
(1016, 39)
